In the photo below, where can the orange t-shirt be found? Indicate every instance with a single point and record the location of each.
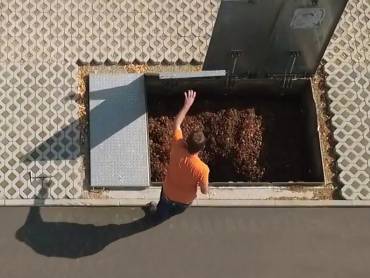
(185, 172)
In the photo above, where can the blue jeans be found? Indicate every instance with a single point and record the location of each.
(167, 208)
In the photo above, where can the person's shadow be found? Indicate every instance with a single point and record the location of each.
(72, 240)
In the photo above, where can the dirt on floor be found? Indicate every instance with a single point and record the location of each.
(326, 131)
(247, 140)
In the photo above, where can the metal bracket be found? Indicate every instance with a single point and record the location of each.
(315, 2)
(43, 178)
(235, 54)
(45, 183)
(288, 77)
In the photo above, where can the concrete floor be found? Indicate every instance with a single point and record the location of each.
(202, 242)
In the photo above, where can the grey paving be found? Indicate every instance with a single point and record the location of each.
(39, 130)
(348, 68)
(43, 41)
(119, 148)
(255, 242)
(106, 31)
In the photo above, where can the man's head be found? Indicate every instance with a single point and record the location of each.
(196, 142)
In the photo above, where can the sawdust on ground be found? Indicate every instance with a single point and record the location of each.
(320, 95)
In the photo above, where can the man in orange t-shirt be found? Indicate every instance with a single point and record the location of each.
(186, 171)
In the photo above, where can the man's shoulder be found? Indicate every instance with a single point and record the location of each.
(177, 134)
(205, 168)
(202, 166)
(179, 145)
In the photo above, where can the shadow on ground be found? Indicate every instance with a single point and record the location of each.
(72, 240)
(63, 145)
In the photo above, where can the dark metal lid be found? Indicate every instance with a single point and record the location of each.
(264, 37)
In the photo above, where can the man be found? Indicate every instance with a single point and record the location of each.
(186, 171)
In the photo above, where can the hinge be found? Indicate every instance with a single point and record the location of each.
(288, 76)
(315, 2)
(235, 54)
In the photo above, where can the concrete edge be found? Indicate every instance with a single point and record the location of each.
(197, 203)
(222, 193)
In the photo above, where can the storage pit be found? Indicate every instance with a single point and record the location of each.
(257, 132)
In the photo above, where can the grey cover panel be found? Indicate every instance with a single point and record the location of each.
(118, 131)
(195, 74)
(267, 32)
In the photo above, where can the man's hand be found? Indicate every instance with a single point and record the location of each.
(189, 98)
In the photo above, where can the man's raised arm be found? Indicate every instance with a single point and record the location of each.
(189, 100)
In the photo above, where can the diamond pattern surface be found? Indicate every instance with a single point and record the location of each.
(42, 41)
(348, 66)
(106, 31)
(39, 130)
(41, 44)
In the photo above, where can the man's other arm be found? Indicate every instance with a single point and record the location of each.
(203, 183)
(204, 188)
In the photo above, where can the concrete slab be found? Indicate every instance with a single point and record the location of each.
(208, 243)
(221, 193)
(218, 203)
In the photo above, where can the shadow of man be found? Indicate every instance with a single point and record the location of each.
(73, 240)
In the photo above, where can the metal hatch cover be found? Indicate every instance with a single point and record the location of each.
(272, 36)
(119, 148)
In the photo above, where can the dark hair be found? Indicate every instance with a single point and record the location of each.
(196, 141)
